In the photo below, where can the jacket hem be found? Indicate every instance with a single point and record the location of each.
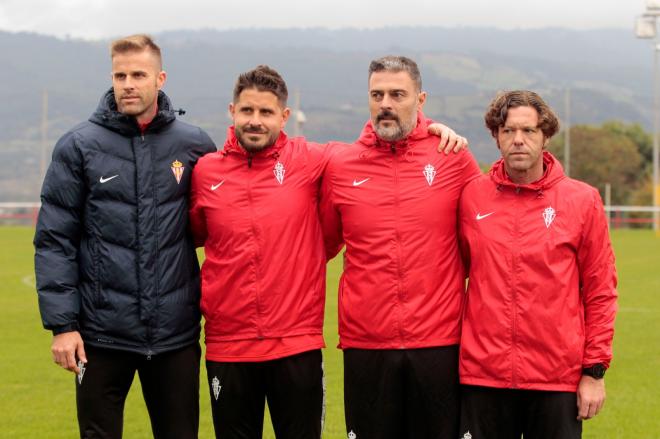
(358, 344)
(552, 387)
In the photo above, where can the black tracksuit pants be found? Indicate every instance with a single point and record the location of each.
(170, 386)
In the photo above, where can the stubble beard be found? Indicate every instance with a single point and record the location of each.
(243, 134)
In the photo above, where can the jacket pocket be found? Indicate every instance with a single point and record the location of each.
(97, 272)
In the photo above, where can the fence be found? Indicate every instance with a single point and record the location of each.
(18, 213)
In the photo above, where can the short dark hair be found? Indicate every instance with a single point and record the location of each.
(499, 109)
(263, 78)
(397, 64)
(135, 43)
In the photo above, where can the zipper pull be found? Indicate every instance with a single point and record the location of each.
(249, 160)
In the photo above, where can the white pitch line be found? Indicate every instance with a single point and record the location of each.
(29, 281)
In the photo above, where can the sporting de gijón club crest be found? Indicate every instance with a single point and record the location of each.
(279, 171)
(549, 216)
(177, 169)
(429, 173)
(215, 385)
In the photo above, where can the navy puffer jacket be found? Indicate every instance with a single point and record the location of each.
(114, 257)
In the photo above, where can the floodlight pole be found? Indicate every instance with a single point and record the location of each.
(647, 28)
(656, 130)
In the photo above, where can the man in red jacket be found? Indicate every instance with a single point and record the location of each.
(539, 317)
(254, 208)
(393, 200)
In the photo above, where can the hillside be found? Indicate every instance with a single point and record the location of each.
(608, 72)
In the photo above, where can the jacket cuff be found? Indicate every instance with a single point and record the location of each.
(65, 328)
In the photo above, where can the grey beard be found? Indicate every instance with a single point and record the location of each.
(390, 134)
(397, 132)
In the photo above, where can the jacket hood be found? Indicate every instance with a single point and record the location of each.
(368, 137)
(552, 174)
(107, 116)
(232, 145)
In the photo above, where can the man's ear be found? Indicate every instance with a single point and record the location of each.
(421, 99)
(286, 113)
(160, 79)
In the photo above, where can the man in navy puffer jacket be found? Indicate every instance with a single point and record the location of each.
(117, 275)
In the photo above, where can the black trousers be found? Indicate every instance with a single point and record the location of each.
(399, 394)
(170, 386)
(493, 413)
(293, 386)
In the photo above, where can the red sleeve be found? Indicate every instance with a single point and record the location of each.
(319, 155)
(330, 218)
(471, 169)
(598, 285)
(463, 244)
(196, 212)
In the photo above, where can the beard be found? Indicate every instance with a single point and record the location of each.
(397, 129)
(251, 143)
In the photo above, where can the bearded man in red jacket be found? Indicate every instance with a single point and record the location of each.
(541, 299)
(254, 209)
(393, 200)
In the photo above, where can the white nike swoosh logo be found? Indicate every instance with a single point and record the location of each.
(215, 186)
(358, 183)
(105, 180)
(480, 217)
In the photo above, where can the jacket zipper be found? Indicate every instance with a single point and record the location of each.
(256, 254)
(397, 235)
(514, 301)
(153, 194)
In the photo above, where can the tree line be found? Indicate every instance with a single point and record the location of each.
(616, 153)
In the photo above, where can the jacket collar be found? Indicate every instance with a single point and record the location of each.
(106, 115)
(552, 174)
(369, 138)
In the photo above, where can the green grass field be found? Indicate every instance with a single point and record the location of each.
(37, 397)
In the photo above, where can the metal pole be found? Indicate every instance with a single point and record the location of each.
(608, 204)
(297, 129)
(567, 134)
(44, 140)
(656, 130)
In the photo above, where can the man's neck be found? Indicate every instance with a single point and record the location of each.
(525, 176)
(144, 119)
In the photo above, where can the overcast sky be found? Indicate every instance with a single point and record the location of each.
(94, 19)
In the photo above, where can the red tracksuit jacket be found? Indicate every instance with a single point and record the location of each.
(395, 206)
(264, 273)
(541, 297)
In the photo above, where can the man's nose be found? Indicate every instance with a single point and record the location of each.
(518, 137)
(386, 102)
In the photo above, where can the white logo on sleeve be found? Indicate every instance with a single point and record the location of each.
(480, 216)
(429, 173)
(215, 385)
(215, 186)
(549, 216)
(467, 435)
(279, 171)
(358, 183)
(352, 435)
(105, 180)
